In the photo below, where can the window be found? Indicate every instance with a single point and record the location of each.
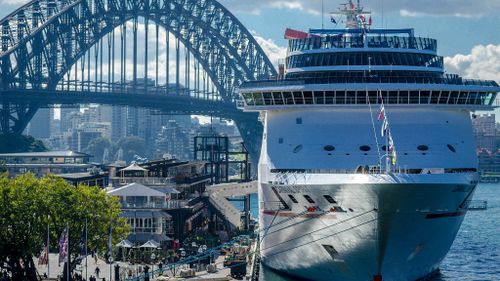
(298, 121)
(451, 148)
(293, 199)
(309, 199)
(329, 148)
(365, 148)
(330, 199)
(280, 140)
(423, 147)
(298, 148)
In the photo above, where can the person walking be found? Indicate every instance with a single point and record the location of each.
(97, 271)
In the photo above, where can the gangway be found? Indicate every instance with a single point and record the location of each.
(218, 196)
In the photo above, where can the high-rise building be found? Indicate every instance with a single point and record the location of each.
(39, 127)
(485, 131)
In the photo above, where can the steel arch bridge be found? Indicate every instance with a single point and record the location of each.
(43, 40)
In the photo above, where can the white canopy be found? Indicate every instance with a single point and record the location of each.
(134, 168)
(136, 189)
(150, 244)
(125, 244)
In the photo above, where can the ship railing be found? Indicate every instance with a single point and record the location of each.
(368, 170)
(475, 205)
(447, 80)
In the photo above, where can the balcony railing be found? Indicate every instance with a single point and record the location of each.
(174, 204)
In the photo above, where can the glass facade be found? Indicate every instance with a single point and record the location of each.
(366, 97)
(357, 41)
(359, 58)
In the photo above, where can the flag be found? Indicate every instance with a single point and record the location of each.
(63, 246)
(381, 113)
(352, 6)
(370, 21)
(44, 256)
(333, 20)
(82, 245)
(391, 143)
(110, 242)
(385, 125)
(394, 157)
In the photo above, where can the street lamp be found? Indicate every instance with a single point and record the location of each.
(153, 257)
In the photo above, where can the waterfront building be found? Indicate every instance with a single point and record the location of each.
(42, 163)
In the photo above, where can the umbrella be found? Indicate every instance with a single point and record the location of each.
(150, 244)
(125, 244)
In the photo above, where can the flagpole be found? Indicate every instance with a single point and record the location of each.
(67, 253)
(322, 14)
(86, 250)
(48, 247)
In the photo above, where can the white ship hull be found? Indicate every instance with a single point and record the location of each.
(399, 226)
(399, 231)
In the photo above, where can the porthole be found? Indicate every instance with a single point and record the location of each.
(451, 148)
(423, 147)
(280, 140)
(298, 148)
(329, 148)
(298, 121)
(365, 148)
(383, 148)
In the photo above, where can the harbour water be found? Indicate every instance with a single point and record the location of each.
(475, 254)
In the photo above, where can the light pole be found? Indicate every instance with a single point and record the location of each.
(153, 257)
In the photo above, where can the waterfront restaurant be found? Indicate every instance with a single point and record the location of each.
(144, 209)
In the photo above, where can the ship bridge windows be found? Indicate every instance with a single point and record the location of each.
(360, 97)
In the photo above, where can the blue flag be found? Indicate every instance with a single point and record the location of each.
(333, 20)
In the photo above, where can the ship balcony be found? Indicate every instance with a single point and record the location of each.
(340, 41)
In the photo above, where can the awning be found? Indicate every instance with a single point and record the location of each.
(151, 244)
(134, 168)
(125, 244)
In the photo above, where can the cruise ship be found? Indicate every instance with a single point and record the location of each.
(368, 162)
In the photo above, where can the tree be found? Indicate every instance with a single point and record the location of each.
(96, 148)
(11, 143)
(132, 146)
(28, 205)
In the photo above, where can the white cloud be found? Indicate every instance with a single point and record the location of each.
(275, 52)
(482, 63)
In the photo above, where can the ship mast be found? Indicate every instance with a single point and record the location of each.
(355, 15)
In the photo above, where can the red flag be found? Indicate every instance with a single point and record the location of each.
(370, 22)
(44, 256)
(381, 113)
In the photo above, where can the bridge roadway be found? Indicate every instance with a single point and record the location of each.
(167, 103)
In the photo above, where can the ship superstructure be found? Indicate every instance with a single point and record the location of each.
(368, 159)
